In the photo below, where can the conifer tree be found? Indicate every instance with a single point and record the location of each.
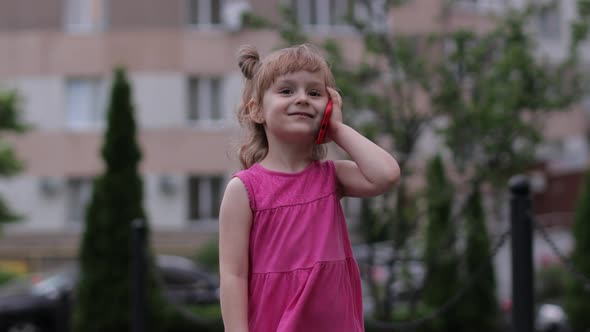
(578, 295)
(103, 294)
(478, 308)
(440, 256)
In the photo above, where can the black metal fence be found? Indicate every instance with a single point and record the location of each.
(521, 230)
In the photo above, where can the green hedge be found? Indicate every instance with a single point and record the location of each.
(6, 276)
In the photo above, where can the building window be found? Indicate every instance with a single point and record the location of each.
(467, 4)
(204, 195)
(205, 96)
(549, 22)
(79, 191)
(204, 12)
(85, 103)
(85, 15)
(325, 13)
(481, 6)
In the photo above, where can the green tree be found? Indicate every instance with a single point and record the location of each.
(578, 295)
(373, 230)
(490, 83)
(480, 297)
(440, 255)
(478, 95)
(487, 86)
(103, 294)
(484, 89)
(10, 122)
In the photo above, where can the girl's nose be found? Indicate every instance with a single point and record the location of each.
(302, 98)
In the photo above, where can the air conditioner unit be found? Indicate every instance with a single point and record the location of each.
(167, 184)
(49, 186)
(232, 14)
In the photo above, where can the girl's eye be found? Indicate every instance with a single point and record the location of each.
(285, 91)
(315, 94)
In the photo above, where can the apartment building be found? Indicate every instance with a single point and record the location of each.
(180, 57)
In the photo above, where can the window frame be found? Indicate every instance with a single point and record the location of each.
(205, 100)
(83, 187)
(549, 22)
(96, 106)
(480, 6)
(204, 206)
(322, 15)
(206, 24)
(89, 25)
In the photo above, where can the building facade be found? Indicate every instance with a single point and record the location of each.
(180, 57)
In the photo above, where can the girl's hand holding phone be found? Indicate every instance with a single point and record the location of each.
(331, 118)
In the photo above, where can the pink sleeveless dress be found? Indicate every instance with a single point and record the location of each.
(303, 276)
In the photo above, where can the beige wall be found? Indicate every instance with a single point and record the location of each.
(172, 150)
(24, 197)
(30, 14)
(139, 14)
(48, 213)
(42, 100)
(169, 139)
(51, 54)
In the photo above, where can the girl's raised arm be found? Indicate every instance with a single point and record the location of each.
(235, 220)
(372, 171)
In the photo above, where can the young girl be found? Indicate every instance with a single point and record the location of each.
(285, 257)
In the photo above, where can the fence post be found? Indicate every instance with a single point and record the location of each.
(522, 254)
(138, 272)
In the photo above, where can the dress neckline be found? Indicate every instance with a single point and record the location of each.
(273, 172)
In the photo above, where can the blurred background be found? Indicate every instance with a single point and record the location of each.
(465, 94)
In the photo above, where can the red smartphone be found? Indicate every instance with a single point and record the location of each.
(324, 123)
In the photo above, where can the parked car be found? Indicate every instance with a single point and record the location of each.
(551, 318)
(41, 302)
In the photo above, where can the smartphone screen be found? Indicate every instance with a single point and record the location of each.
(324, 123)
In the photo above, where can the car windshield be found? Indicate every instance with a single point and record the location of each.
(54, 282)
(39, 282)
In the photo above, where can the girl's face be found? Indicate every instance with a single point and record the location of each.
(293, 106)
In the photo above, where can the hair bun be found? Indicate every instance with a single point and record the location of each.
(248, 60)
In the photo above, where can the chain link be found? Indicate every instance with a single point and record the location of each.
(584, 280)
(451, 302)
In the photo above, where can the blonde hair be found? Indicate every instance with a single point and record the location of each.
(260, 75)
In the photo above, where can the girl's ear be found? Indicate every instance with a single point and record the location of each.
(255, 112)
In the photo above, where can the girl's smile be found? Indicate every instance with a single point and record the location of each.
(293, 106)
(302, 114)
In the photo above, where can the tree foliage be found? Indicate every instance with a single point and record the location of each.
(578, 295)
(440, 255)
(103, 294)
(10, 123)
(481, 296)
(489, 88)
